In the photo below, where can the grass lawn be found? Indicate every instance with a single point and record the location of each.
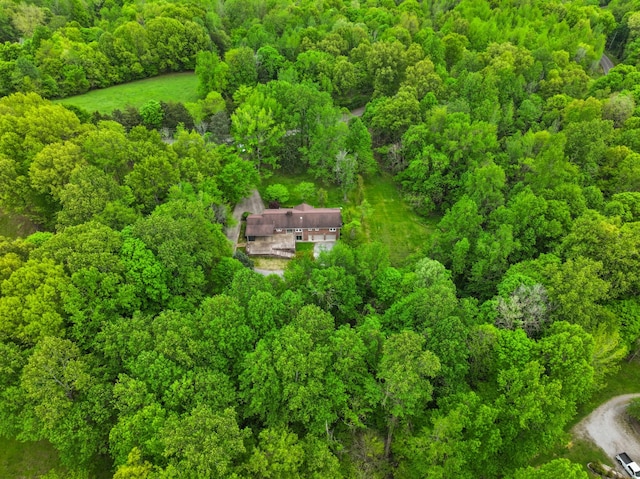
(626, 381)
(13, 226)
(180, 87)
(393, 222)
(334, 196)
(579, 451)
(270, 264)
(305, 246)
(27, 459)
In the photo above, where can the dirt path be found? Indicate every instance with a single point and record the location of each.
(253, 204)
(355, 112)
(606, 63)
(358, 111)
(607, 428)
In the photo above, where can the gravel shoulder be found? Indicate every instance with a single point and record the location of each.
(608, 429)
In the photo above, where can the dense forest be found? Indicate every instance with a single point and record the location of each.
(132, 335)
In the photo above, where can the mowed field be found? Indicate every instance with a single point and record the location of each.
(179, 87)
(393, 222)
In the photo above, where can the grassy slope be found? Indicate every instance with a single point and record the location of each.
(393, 222)
(31, 459)
(179, 87)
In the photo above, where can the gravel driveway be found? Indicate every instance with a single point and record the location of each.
(606, 63)
(252, 203)
(607, 428)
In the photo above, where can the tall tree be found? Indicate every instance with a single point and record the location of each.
(203, 443)
(404, 370)
(256, 130)
(64, 398)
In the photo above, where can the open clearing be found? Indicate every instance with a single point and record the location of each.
(33, 459)
(393, 222)
(179, 87)
(26, 459)
(334, 196)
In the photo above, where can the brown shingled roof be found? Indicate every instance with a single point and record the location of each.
(305, 207)
(301, 216)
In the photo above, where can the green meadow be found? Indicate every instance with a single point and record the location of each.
(393, 222)
(178, 87)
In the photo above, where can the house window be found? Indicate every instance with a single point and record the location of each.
(289, 230)
(278, 230)
(316, 229)
(298, 230)
(332, 229)
(299, 238)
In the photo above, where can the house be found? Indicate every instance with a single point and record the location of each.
(302, 222)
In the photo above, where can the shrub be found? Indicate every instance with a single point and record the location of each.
(174, 114)
(633, 409)
(129, 118)
(243, 258)
(152, 114)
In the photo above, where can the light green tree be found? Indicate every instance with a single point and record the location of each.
(203, 443)
(256, 131)
(52, 167)
(345, 171)
(212, 73)
(152, 114)
(404, 371)
(305, 190)
(277, 192)
(32, 302)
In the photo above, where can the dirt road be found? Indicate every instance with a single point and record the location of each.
(253, 204)
(606, 63)
(607, 428)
